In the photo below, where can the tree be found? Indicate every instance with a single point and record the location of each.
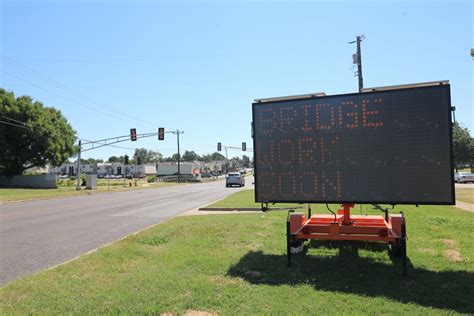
(154, 156)
(217, 156)
(115, 159)
(175, 157)
(91, 161)
(42, 135)
(462, 145)
(204, 158)
(147, 156)
(190, 156)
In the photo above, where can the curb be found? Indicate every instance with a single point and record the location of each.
(243, 209)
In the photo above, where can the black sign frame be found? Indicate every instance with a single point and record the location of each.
(390, 202)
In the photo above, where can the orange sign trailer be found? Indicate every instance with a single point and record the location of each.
(343, 226)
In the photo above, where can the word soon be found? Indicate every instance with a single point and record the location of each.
(310, 185)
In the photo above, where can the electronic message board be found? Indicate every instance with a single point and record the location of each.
(392, 146)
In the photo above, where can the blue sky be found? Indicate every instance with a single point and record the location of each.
(198, 65)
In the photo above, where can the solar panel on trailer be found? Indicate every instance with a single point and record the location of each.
(380, 147)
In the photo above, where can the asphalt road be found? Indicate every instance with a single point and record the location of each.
(39, 234)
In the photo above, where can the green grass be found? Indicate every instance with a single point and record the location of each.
(10, 195)
(236, 264)
(465, 195)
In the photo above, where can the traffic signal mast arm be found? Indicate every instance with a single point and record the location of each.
(236, 148)
(113, 140)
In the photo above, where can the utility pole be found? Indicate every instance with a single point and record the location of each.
(177, 132)
(359, 65)
(357, 59)
(78, 172)
(226, 161)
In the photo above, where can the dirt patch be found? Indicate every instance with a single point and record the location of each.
(448, 242)
(198, 313)
(453, 255)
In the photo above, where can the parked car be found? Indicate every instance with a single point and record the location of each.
(129, 176)
(463, 177)
(234, 178)
(206, 175)
(100, 176)
(119, 176)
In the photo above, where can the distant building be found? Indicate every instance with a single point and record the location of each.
(105, 168)
(171, 168)
(214, 166)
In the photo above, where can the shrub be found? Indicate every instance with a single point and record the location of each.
(151, 179)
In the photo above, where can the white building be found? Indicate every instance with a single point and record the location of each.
(70, 169)
(185, 168)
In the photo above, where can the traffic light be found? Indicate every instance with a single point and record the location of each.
(161, 133)
(244, 146)
(133, 134)
(219, 146)
(126, 161)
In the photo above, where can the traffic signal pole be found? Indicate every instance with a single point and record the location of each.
(95, 144)
(179, 158)
(78, 172)
(177, 132)
(226, 162)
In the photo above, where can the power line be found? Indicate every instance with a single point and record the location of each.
(70, 90)
(13, 120)
(19, 126)
(61, 96)
(71, 100)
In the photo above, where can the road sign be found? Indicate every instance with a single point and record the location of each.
(391, 146)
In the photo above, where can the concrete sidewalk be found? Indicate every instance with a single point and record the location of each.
(465, 206)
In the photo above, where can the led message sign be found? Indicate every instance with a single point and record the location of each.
(389, 146)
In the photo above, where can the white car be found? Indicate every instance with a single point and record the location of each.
(234, 178)
(463, 177)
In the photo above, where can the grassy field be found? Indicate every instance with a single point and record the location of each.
(465, 195)
(9, 195)
(236, 264)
